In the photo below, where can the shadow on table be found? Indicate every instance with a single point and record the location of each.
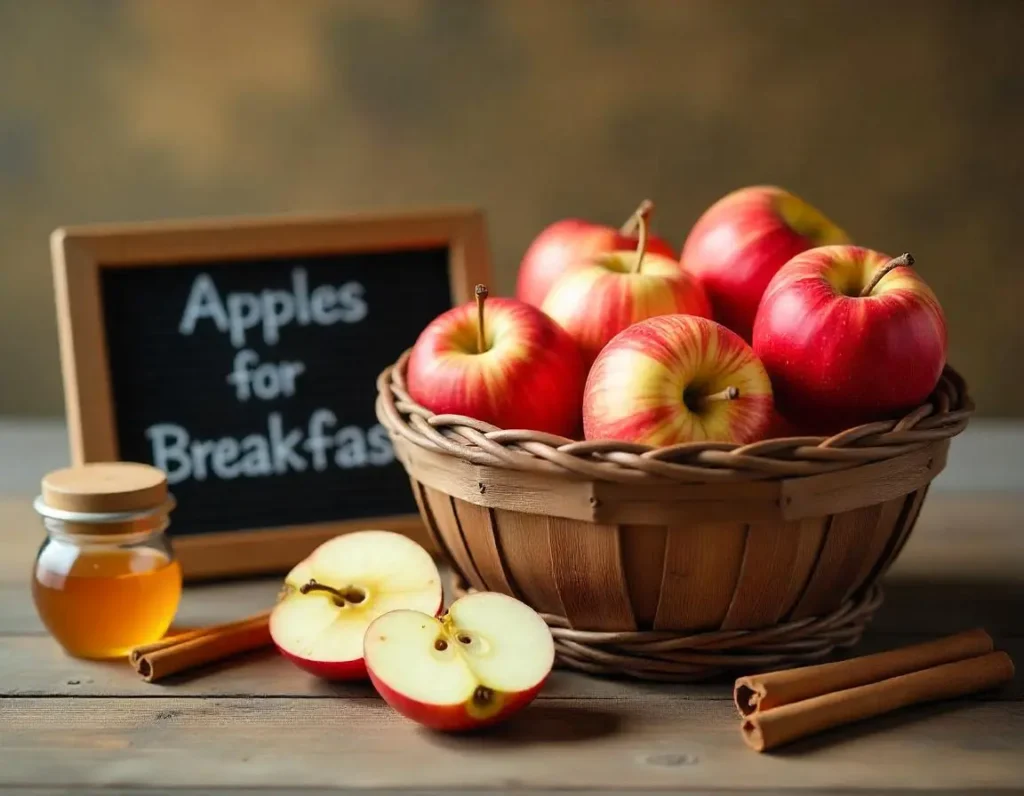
(538, 724)
(918, 717)
(946, 604)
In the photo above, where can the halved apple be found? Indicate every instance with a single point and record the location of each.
(481, 662)
(332, 597)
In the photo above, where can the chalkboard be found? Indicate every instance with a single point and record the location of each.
(241, 356)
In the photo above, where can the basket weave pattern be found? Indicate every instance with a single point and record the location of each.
(681, 562)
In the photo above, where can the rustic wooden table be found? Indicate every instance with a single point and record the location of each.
(259, 724)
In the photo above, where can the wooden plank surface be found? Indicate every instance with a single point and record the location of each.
(257, 791)
(260, 724)
(623, 743)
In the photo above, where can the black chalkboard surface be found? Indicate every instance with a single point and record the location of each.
(245, 368)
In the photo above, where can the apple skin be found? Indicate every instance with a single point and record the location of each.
(452, 718)
(837, 360)
(743, 239)
(596, 302)
(635, 391)
(530, 377)
(567, 245)
(328, 670)
(780, 427)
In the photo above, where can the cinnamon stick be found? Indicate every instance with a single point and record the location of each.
(198, 647)
(767, 691)
(766, 729)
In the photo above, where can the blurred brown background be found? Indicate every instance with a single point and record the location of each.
(903, 121)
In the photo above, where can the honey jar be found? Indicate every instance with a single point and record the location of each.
(105, 579)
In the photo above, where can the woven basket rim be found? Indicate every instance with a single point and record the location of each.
(943, 416)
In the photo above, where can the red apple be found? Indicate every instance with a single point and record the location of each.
(506, 363)
(742, 240)
(570, 243)
(595, 302)
(675, 379)
(487, 658)
(332, 597)
(781, 426)
(849, 335)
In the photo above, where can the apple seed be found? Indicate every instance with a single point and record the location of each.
(483, 695)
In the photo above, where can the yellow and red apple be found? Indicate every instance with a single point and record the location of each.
(501, 361)
(331, 597)
(595, 302)
(570, 244)
(742, 240)
(675, 379)
(485, 659)
(849, 335)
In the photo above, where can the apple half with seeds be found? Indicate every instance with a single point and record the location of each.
(485, 659)
(330, 598)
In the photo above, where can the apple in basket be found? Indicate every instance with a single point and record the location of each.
(849, 335)
(571, 242)
(485, 659)
(675, 379)
(501, 361)
(597, 301)
(742, 240)
(332, 597)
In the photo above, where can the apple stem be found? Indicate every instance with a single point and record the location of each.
(481, 339)
(905, 259)
(728, 394)
(349, 594)
(645, 208)
(641, 246)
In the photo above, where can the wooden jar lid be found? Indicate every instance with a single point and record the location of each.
(105, 488)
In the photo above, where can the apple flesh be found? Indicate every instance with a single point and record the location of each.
(331, 597)
(676, 379)
(742, 240)
(849, 335)
(569, 244)
(485, 659)
(504, 362)
(596, 302)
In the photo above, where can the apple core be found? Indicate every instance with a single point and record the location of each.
(332, 596)
(349, 594)
(484, 659)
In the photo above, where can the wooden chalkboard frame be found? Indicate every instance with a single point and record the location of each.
(79, 254)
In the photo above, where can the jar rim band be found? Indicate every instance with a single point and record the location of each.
(101, 518)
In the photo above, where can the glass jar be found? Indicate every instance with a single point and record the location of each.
(106, 580)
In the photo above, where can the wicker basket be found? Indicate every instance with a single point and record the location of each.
(676, 563)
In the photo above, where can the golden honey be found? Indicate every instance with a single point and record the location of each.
(101, 603)
(105, 580)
